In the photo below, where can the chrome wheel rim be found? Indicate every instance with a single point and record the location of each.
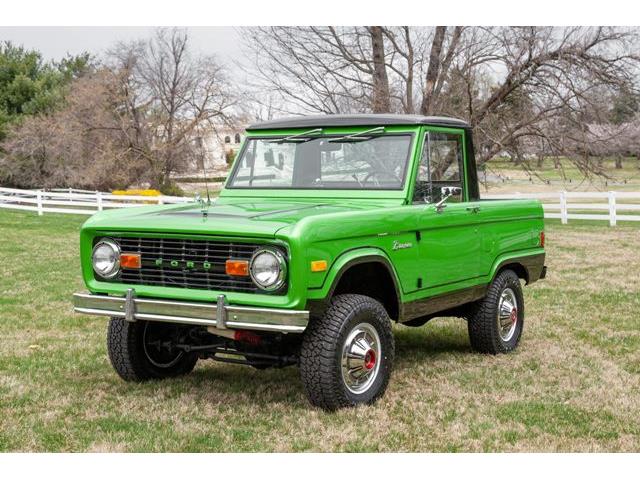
(361, 356)
(507, 314)
(153, 337)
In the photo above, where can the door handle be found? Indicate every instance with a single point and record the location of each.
(474, 209)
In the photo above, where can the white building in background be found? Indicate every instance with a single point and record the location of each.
(219, 144)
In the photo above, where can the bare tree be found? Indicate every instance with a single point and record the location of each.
(136, 119)
(552, 73)
(80, 145)
(381, 101)
(518, 86)
(168, 98)
(334, 69)
(438, 67)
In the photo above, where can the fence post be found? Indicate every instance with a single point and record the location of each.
(564, 218)
(70, 197)
(612, 209)
(160, 200)
(39, 201)
(99, 200)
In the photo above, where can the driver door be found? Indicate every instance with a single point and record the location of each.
(449, 245)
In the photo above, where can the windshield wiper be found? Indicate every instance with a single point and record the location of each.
(298, 137)
(360, 136)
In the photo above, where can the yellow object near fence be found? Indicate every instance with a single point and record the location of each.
(144, 193)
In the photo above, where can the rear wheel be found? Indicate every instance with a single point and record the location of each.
(496, 322)
(141, 351)
(347, 355)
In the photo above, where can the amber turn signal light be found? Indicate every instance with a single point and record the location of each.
(318, 265)
(237, 268)
(130, 260)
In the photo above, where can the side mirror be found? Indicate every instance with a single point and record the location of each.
(445, 193)
(450, 191)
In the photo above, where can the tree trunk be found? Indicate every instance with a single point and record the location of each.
(381, 101)
(432, 71)
(619, 162)
(410, 56)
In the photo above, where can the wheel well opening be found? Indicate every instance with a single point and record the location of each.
(374, 280)
(518, 269)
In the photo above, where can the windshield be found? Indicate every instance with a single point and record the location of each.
(373, 163)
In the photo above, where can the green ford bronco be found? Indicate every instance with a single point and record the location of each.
(328, 229)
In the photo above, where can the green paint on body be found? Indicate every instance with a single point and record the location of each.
(431, 252)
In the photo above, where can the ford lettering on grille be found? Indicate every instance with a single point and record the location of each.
(186, 263)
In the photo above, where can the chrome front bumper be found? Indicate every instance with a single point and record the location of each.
(219, 315)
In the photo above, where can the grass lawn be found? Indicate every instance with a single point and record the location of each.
(573, 384)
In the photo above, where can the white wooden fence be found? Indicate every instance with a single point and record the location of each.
(616, 206)
(76, 201)
(575, 205)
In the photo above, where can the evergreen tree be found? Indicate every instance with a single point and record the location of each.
(29, 85)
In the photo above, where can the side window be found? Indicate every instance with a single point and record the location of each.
(440, 166)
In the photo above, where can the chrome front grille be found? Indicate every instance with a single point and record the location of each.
(186, 263)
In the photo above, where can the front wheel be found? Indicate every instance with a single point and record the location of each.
(141, 351)
(495, 323)
(347, 355)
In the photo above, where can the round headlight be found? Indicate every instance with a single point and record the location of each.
(106, 258)
(268, 269)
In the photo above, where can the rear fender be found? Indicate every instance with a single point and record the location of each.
(532, 262)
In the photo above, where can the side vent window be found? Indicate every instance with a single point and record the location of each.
(440, 166)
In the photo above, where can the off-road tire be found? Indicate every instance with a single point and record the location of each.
(128, 357)
(482, 320)
(321, 352)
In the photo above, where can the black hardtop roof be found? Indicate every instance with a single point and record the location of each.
(356, 120)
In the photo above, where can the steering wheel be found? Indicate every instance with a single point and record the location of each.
(374, 173)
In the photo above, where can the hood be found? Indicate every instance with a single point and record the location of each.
(242, 217)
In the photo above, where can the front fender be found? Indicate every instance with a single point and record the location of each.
(347, 260)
